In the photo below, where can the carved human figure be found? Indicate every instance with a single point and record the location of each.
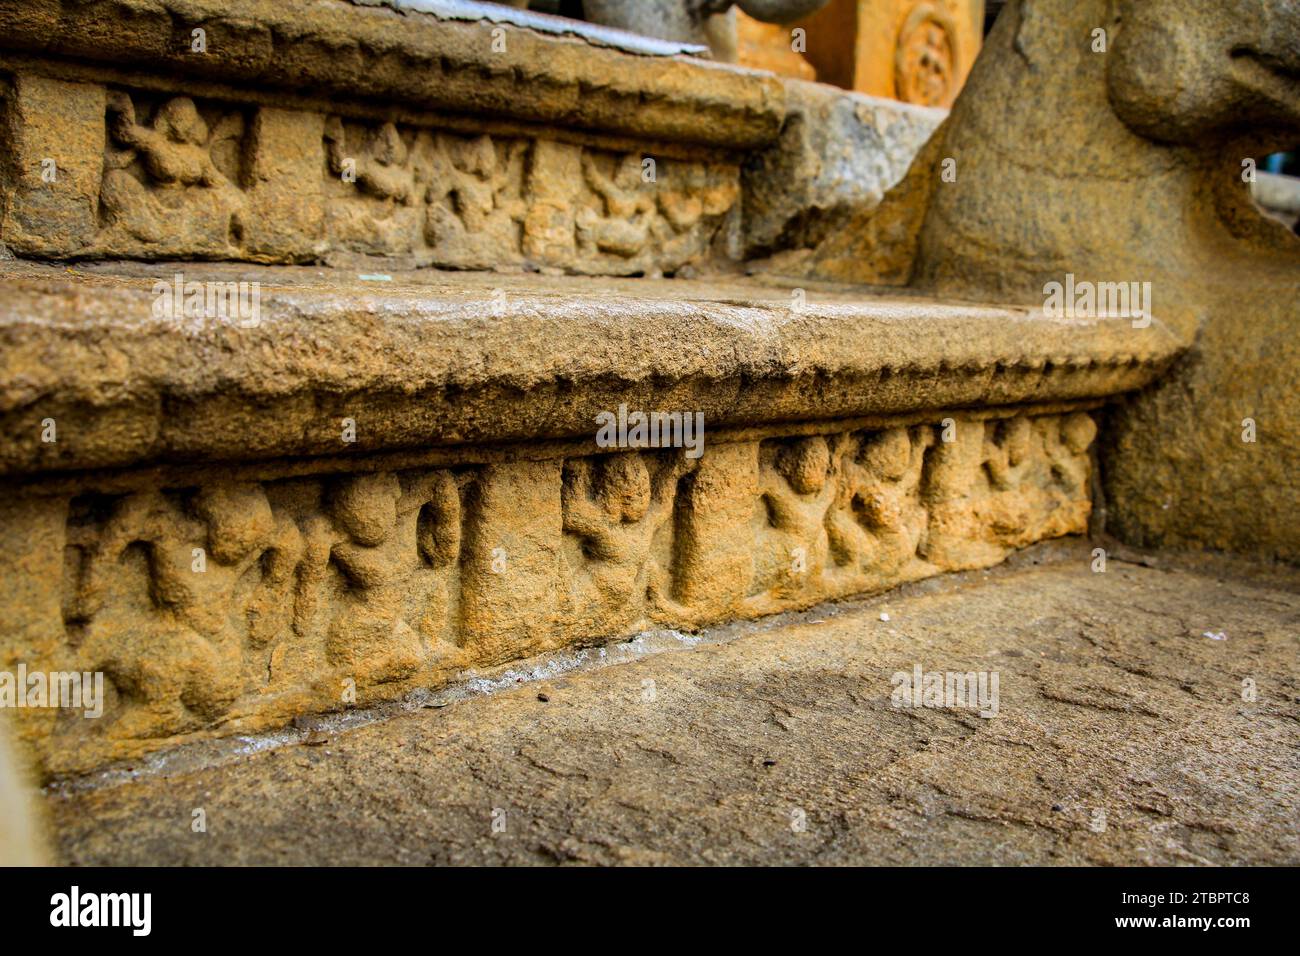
(175, 150)
(380, 168)
(879, 522)
(166, 599)
(615, 506)
(175, 154)
(367, 633)
(628, 206)
(797, 491)
(1176, 103)
(431, 505)
(1067, 447)
(475, 195)
(1007, 446)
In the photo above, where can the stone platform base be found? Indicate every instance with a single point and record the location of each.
(382, 484)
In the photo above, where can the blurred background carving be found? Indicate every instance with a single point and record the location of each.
(917, 51)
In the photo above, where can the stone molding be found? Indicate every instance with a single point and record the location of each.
(416, 58)
(216, 606)
(430, 360)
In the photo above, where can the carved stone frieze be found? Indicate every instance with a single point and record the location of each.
(235, 605)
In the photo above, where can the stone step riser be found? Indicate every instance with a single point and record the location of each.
(221, 607)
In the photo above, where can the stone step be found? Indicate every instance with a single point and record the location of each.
(131, 374)
(463, 58)
(377, 483)
(310, 130)
(348, 476)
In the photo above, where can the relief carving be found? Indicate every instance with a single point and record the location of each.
(618, 509)
(483, 201)
(168, 167)
(249, 601)
(201, 179)
(879, 523)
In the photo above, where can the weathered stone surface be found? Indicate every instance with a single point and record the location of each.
(1156, 194)
(190, 518)
(1122, 738)
(355, 52)
(430, 359)
(553, 153)
(837, 152)
(215, 605)
(187, 179)
(512, 571)
(165, 177)
(50, 179)
(1153, 191)
(388, 476)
